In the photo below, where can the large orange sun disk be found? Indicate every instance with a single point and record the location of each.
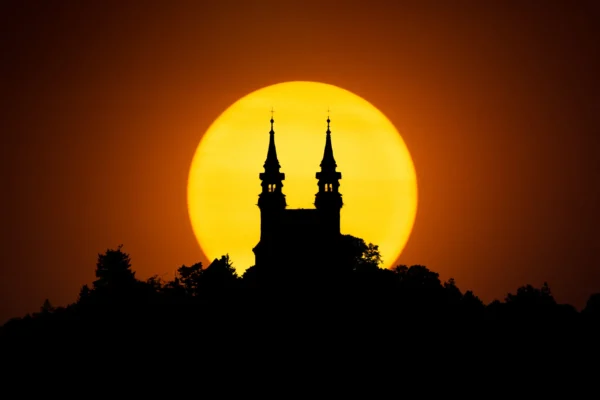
(379, 185)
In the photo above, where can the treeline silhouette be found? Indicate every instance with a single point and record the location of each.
(354, 298)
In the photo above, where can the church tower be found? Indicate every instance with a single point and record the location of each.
(297, 238)
(271, 202)
(328, 200)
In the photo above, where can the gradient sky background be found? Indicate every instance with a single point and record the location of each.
(104, 103)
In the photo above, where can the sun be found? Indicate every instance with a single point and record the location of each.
(379, 184)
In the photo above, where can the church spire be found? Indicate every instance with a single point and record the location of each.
(272, 179)
(328, 162)
(272, 163)
(328, 177)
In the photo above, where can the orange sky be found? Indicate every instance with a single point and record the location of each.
(105, 103)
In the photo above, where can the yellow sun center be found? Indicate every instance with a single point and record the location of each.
(378, 183)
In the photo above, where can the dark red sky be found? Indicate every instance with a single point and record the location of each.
(105, 102)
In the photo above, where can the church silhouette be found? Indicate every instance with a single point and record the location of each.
(297, 238)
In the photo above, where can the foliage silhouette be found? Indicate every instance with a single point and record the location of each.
(189, 279)
(348, 293)
(113, 269)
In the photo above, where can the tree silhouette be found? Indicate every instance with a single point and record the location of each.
(47, 307)
(113, 269)
(472, 303)
(357, 293)
(86, 296)
(529, 296)
(592, 307)
(189, 278)
(354, 255)
(453, 293)
(370, 257)
(250, 278)
(116, 282)
(220, 274)
(418, 278)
